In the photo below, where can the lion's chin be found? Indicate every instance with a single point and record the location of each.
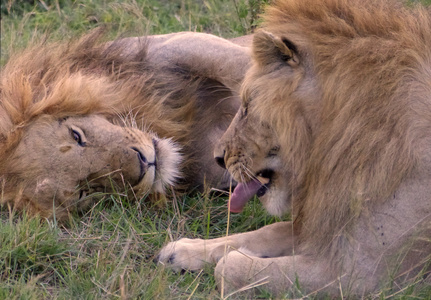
(275, 200)
(145, 185)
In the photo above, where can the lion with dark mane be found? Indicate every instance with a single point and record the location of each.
(135, 115)
(335, 127)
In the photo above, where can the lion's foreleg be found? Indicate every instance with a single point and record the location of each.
(192, 254)
(272, 240)
(239, 272)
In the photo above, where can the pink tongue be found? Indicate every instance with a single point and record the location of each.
(242, 193)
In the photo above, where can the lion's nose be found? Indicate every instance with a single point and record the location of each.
(220, 160)
(143, 163)
(143, 160)
(141, 157)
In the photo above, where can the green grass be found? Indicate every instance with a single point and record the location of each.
(22, 21)
(108, 252)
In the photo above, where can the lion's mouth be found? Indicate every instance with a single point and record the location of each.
(265, 177)
(161, 169)
(244, 191)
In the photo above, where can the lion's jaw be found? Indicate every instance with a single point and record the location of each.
(65, 161)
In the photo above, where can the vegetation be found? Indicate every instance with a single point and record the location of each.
(23, 21)
(109, 252)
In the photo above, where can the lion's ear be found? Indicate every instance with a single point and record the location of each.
(268, 48)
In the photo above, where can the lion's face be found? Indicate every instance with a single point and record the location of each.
(64, 161)
(260, 147)
(250, 151)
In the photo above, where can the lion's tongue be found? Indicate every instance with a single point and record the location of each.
(242, 193)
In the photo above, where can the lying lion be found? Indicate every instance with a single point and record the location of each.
(135, 115)
(334, 126)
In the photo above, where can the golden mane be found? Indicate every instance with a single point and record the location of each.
(366, 127)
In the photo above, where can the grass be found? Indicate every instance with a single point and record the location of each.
(108, 252)
(22, 22)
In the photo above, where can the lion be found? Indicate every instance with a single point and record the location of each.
(335, 128)
(134, 116)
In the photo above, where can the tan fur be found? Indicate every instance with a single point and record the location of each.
(337, 105)
(136, 94)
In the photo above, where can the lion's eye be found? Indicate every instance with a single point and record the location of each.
(77, 137)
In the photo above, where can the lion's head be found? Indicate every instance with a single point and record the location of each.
(68, 131)
(269, 139)
(63, 162)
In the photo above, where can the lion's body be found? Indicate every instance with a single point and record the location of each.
(336, 122)
(149, 109)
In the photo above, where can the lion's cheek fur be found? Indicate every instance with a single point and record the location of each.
(41, 196)
(277, 201)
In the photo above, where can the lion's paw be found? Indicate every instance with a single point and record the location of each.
(187, 254)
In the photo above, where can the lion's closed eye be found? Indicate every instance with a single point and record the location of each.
(78, 136)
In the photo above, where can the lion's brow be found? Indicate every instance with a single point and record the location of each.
(61, 120)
